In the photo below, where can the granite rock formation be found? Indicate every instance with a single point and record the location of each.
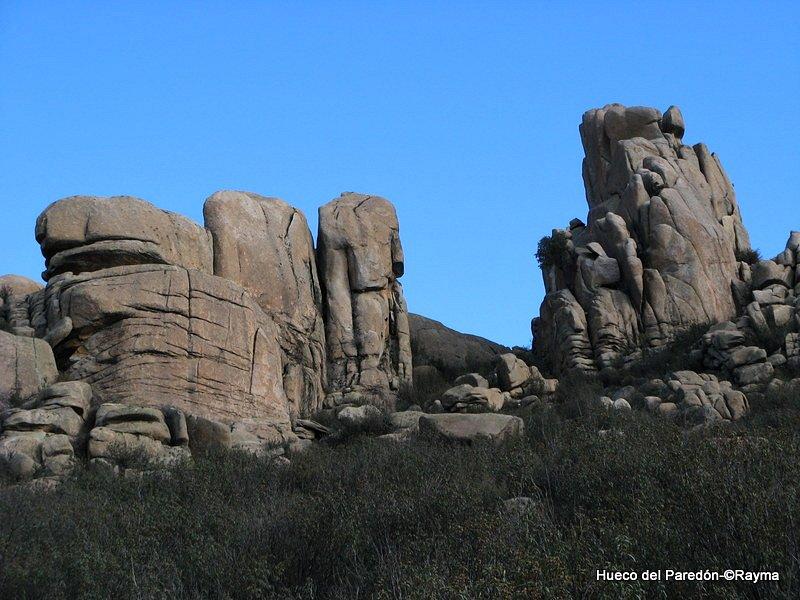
(448, 350)
(88, 233)
(155, 335)
(360, 260)
(159, 336)
(658, 251)
(265, 245)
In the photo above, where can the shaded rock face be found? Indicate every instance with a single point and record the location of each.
(87, 233)
(360, 259)
(14, 303)
(265, 246)
(450, 351)
(158, 335)
(658, 251)
(26, 367)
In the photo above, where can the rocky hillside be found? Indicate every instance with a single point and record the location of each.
(160, 336)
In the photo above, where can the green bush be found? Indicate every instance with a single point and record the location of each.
(553, 251)
(371, 519)
(748, 255)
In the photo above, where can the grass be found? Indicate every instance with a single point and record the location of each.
(370, 519)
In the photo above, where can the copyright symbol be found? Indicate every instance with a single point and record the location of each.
(728, 575)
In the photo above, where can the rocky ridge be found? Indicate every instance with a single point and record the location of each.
(156, 337)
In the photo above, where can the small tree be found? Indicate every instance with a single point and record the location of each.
(553, 251)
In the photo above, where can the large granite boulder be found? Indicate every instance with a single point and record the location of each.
(87, 233)
(360, 259)
(471, 428)
(27, 366)
(451, 351)
(666, 214)
(161, 335)
(265, 246)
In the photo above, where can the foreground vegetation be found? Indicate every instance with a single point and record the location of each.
(372, 519)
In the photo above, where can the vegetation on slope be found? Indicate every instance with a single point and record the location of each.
(372, 519)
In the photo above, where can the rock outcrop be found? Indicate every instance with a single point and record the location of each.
(265, 245)
(360, 260)
(180, 337)
(87, 233)
(154, 335)
(41, 436)
(450, 351)
(658, 251)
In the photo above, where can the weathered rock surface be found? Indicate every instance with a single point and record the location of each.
(264, 245)
(666, 215)
(27, 366)
(41, 437)
(488, 427)
(468, 398)
(360, 259)
(153, 335)
(357, 416)
(14, 304)
(88, 233)
(450, 351)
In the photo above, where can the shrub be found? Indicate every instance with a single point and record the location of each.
(553, 251)
(748, 255)
(424, 390)
(673, 356)
(772, 340)
(377, 520)
(577, 393)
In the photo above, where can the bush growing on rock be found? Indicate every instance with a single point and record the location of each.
(553, 250)
(749, 255)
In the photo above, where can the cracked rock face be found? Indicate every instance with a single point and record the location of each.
(366, 321)
(264, 245)
(26, 367)
(158, 335)
(666, 215)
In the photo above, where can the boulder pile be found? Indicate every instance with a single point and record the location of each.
(514, 384)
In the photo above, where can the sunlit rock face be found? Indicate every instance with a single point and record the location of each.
(86, 233)
(132, 307)
(366, 321)
(265, 245)
(658, 251)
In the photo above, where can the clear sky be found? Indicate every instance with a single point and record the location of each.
(464, 114)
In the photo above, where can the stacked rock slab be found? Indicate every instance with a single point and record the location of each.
(658, 251)
(87, 233)
(366, 321)
(265, 245)
(41, 435)
(132, 308)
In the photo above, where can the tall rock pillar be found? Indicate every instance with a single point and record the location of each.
(366, 320)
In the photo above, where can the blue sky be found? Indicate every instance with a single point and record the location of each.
(464, 115)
